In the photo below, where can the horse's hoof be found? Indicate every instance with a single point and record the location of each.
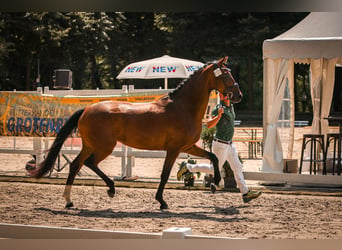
(217, 181)
(69, 205)
(212, 188)
(164, 206)
(111, 193)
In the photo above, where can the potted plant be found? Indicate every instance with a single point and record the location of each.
(207, 136)
(189, 177)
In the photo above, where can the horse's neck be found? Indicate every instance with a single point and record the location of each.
(194, 96)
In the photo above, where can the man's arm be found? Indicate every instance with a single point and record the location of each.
(214, 119)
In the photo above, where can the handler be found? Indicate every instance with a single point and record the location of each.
(223, 117)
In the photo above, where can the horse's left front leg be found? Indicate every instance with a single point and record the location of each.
(170, 159)
(200, 152)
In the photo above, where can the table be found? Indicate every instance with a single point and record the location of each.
(252, 136)
(339, 121)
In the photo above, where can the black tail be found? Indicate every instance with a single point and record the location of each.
(45, 166)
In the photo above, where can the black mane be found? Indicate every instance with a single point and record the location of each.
(182, 83)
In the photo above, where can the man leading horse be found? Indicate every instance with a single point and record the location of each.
(223, 116)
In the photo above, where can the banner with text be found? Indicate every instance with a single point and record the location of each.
(33, 114)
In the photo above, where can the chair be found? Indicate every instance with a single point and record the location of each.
(315, 139)
(333, 137)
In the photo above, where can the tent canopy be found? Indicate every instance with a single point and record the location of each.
(319, 35)
(316, 40)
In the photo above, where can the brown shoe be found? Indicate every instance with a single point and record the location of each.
(250, 195)
(182, 170)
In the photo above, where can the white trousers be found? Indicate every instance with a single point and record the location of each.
(224, 152)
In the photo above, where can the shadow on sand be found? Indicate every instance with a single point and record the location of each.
(228, 214)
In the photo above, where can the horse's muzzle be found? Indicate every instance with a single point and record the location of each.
(234, 94)
(236, 98)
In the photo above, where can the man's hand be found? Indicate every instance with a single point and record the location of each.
(213, 120)
(220, 111)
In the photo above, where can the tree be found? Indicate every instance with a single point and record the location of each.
(86, 45)
(97, 45)
(21, 31)
(208, 36)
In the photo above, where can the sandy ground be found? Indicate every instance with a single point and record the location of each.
(272, 216)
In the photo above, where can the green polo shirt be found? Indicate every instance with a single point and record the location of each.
(225, 126)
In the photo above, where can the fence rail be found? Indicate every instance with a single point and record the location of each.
(38, 147)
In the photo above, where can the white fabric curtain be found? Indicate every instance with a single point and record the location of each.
(274, 82)
(316, 70)
(322, 88)
(290, 77)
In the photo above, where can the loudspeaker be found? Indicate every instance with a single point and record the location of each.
(62, 79)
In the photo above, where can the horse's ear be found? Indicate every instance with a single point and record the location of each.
(223, 60)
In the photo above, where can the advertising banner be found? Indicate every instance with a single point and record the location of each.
(34, 114)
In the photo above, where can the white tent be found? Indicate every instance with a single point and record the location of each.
(316, 40)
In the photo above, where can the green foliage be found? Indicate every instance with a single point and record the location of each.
(97, 45)
(302, 88)
(207, 136)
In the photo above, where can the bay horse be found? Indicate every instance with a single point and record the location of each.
(172, 123)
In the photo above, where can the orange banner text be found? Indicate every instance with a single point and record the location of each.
(34, 114)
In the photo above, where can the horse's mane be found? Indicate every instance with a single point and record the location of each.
(182, 83)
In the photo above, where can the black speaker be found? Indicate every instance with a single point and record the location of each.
(62, 79)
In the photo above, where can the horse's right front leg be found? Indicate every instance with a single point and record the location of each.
(170, 159)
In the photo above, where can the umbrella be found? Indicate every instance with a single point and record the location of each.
(160, 67)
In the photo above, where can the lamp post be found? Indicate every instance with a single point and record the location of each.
(38, 72)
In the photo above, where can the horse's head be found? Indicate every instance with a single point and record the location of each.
(224, 81)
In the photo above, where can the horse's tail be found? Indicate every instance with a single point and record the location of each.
(62, 135)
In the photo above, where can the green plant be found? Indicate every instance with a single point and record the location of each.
(207, 136)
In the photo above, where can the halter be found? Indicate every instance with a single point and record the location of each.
(218, 73)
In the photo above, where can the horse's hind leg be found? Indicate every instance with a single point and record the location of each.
(200, 152)
(75, 167)
(91, 163)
